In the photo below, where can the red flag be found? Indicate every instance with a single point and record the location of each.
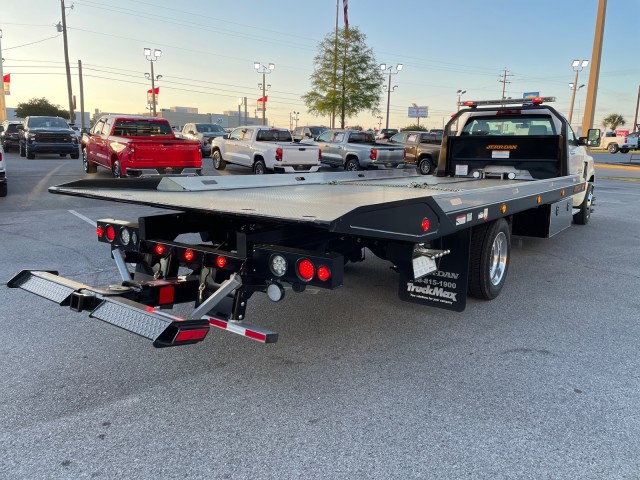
(157, 89)
(263, 99)
(345, 3)
(6, 81)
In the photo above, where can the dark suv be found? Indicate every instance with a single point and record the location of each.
(386, 133)
(307, 132)
(48, 135)
(9, 134)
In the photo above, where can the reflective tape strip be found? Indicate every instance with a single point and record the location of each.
(246, 330)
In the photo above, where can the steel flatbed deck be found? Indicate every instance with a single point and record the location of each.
(331, 201)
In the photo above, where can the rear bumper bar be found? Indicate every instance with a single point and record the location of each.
(111, 305)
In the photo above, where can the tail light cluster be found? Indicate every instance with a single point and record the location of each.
(373, 155)
(298, 266)
(319, 154)
(188, 255)
(278, 154)
(124, 235)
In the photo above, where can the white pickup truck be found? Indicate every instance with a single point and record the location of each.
(264, 150)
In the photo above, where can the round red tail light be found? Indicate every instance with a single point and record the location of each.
(188, 255)
(221, 262)
(111, 233)
(425, 224)
(324, 273)
(99, 231)
(159, 249)
(306, 270)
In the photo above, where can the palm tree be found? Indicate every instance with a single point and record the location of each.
(613, 120)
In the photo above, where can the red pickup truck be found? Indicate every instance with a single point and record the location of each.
(134, 145)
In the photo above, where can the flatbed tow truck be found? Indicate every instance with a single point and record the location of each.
(508, 170)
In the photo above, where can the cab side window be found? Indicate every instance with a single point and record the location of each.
(571, 138)
(236, 134)
(325, 137)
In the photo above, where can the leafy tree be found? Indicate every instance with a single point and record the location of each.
(347, 79)
(613, 120)
(414, 128)
(40, 106)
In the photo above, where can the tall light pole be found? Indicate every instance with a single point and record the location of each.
(577, 66)
(296, 118)
(72, 116)
(153, 90)
(389, 71)
(3, 106)
(460, 92)
(152, 57)
(379, 122)
(264, 70)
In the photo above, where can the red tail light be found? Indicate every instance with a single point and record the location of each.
(324, 273)
(111, 233)
(404, 153)
(188, 255)
(306, 270)
(99, 232)
(221, 262)
(374, 154)
(159, 249)
(278, 154)
(425, 224)
(319, 153)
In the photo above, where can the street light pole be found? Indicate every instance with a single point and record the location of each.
(460, 93)
(152, 57)
(384, 68)
(66, 62)
(577, 66)
(3, 107)
(263, 69)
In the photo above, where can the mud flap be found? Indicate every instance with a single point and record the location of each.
(447, 287)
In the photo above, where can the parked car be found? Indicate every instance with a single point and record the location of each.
(10, 134)
(386, 133)
(134, 145)
(44, 134)
(264, 150)
(202, 133)
(307, 132)
(357, 150)
(3, 174)
(421, 151)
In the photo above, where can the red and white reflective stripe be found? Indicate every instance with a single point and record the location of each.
(245, 329)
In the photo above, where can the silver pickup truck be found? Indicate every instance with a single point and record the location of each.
(357, 150)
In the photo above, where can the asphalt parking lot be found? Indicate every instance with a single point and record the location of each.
(541, 382)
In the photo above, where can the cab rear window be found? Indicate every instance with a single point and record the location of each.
(141, 128)
(521, 125)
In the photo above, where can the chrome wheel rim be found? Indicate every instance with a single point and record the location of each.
(352, 167)
(425, 167)
(216, 159)
(498, 259)
(259, 169)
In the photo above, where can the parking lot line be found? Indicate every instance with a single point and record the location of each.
(82, 217)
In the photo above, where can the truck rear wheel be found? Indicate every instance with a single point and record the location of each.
(3, 189)
(624, 150)
(115, 170)
(29, 154)
(259, 168)
(23, 153)
(424, 166)
(613, 148)
(218, 162)
(489, 259)
(352, 165)
(583, 216)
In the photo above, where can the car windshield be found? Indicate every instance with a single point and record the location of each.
(141, 128)
(315, 131)
(518, 125)
(46, 122)
(12, 127)
(209, 128)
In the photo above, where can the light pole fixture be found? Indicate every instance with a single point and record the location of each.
(389, 71)
(152, 57)
(296, 117)
(460, 93)
(577, 66)
(264, 70)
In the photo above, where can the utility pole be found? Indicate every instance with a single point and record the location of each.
(635, 119)
(81, 95)
(3, 107)
(504, 81)
(594, 71)
(72, 116)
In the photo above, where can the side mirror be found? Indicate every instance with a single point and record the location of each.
(226, 136)
(593, 137)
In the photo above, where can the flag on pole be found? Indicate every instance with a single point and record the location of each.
(345, 4)
(150, 95)
(261, 102)
(6, 80)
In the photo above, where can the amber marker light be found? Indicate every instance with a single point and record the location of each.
(538, 199)
(562, 192)
(503, 208)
